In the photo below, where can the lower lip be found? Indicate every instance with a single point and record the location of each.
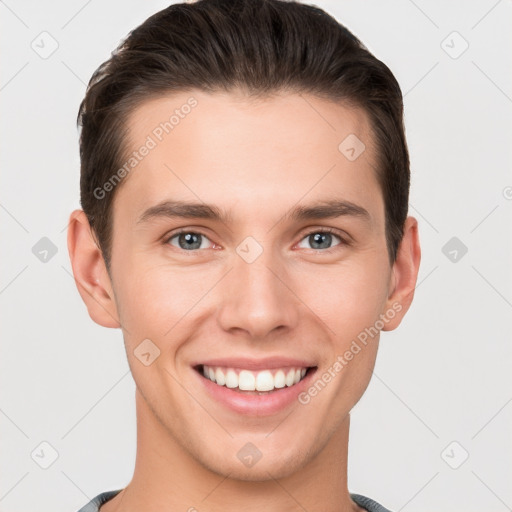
(256, 405)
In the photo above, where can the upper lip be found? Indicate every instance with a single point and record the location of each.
(256, 364)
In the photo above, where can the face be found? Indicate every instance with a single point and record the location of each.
(281, 268)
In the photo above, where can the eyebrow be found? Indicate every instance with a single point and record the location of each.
(320, 210)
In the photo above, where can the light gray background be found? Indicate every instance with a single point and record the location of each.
(443, 376)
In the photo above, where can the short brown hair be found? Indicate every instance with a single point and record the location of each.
(259, 46)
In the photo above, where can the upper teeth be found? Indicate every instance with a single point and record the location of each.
(246, 380)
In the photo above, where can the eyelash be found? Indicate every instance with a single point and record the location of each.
(330, 231)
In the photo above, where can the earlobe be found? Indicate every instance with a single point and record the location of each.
(404, 274)
(90, 273)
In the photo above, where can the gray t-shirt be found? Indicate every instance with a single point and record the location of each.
(95, 504)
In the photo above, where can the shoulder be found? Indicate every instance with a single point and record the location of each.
(95, 504)
(368, 504)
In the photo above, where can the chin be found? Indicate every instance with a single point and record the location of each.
(269, 466)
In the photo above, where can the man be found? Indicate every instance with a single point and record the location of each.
(244, 184)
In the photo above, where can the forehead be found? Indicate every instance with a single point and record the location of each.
(229, 148)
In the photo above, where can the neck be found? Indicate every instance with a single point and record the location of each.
(168, 478)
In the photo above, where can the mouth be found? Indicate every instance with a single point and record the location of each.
(255, 382)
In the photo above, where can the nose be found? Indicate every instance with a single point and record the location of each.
(257, 298)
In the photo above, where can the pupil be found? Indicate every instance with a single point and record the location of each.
(317, 239)
(191, 240)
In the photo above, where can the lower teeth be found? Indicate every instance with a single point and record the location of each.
(253, 392)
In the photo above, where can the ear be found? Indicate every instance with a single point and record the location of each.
(89, 270)
(404, 275)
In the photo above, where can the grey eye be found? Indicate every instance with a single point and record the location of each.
(189, 240)
(319, 240)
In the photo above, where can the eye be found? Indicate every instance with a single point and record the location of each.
(318, 239)
(189, 240)
(321, 239)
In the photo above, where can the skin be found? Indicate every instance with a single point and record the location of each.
(257, 159)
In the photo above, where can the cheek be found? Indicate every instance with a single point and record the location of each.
(153, 300)
(156, 303)
(156, 299)
(348, 298)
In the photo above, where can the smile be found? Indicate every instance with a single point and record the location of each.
(258, 382)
